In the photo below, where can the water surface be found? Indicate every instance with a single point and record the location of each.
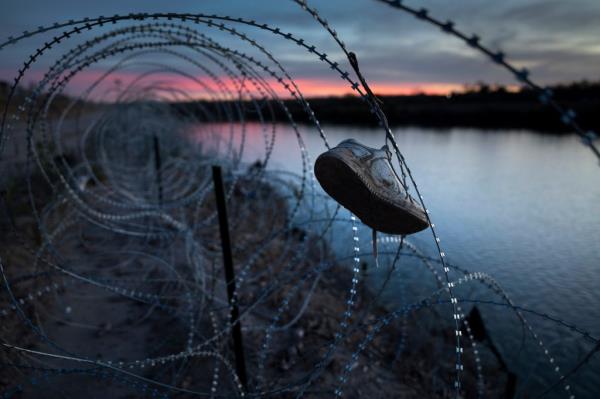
(518, 205)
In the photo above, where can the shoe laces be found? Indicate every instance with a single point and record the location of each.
(401, 180)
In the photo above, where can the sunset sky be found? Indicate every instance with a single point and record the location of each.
(557, 40)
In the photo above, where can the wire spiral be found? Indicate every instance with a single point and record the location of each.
(112, 279)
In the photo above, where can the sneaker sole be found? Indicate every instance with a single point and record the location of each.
(346, 186)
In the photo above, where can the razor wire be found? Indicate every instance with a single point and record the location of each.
(568, 117)
(101, 220)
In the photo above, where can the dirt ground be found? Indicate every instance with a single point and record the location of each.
(170, 325)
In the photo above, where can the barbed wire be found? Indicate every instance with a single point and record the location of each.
(545, 95)
(93, 220)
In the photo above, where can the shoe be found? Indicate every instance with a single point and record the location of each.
(362, 180)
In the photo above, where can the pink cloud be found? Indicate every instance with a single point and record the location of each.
(205, 87)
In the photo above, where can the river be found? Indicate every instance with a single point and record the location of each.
(518, 205)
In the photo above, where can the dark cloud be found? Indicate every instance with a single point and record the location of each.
(556, 14)
(555, 39)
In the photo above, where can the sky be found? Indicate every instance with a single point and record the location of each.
(556, 40)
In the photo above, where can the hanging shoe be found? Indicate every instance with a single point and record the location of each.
(362, 180)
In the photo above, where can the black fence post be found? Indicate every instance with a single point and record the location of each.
(238, 346)
(157, 165)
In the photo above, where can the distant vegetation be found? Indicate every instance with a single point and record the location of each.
(59, 103)
(479, 105)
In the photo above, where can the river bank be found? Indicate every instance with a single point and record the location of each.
(494, 109)
(135, 314)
